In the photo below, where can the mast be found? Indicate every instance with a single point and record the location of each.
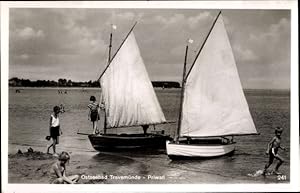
(108, 62)
(203, 44)
(110, 45)
(182, 94)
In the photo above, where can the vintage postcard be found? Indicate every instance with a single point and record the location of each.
(151, 96)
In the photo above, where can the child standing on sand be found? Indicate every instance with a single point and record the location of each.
(59, 169)
(272, 151)
(54, 129)
(94, 113)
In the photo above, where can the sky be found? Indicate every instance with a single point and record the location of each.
(53, 43)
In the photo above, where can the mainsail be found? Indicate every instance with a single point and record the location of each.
(214, 103)
(127, 91)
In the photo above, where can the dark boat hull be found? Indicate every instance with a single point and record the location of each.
(111, 142)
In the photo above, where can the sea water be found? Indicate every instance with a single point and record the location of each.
(29, 115)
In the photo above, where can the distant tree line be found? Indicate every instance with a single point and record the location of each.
(13, 82)
(166, 84)
(51, 83)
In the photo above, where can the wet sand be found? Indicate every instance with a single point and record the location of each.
(35, 167)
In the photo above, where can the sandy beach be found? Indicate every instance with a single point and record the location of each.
(33, 167)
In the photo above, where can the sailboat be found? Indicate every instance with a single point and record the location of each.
(129, 100)
(213, 105)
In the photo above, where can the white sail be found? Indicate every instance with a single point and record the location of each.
(214, 103)
(127, 90)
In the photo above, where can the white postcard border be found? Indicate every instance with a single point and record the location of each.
(294, 153)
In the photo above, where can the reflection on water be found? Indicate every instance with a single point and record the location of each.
(29, 113)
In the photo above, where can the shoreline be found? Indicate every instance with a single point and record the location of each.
(284, 90)
(34, 167)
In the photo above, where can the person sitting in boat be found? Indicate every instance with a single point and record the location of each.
(188, 140)
(94, 113)
(145, 127)
(272, 151)
(225, 140)
(54, 128)
(59, 169)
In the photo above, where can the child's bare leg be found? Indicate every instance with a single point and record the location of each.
(54, 145)
(94, 130)
(58, 181)
(74, 178)
(48, 149)
(96, 127)
(281, 160)
(271, 158)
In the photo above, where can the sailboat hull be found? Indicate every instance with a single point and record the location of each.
(198, 149)
(114, 142)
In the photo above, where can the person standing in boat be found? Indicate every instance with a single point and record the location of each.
(145, 128)
(54, 129)
(93, 115)
(59, 169)
(272, 151)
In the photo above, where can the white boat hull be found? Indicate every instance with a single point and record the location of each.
(198, 150)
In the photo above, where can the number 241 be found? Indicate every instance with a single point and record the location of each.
(281, 177)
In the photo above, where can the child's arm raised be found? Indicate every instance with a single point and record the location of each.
(102, 106)
(62, 108)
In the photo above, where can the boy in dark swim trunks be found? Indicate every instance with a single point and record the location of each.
(272, 151)
(94, 114)
(54, 128)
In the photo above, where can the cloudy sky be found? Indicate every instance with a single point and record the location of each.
(49, 44)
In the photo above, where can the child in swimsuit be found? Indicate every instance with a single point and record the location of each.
(93, 115)
(59, 169)
(54, 129)
(272, 151)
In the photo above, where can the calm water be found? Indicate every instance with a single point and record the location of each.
(29, 113)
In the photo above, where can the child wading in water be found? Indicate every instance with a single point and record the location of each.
(59, 169)
(93, 115)
(54, 128)
(272, 151)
